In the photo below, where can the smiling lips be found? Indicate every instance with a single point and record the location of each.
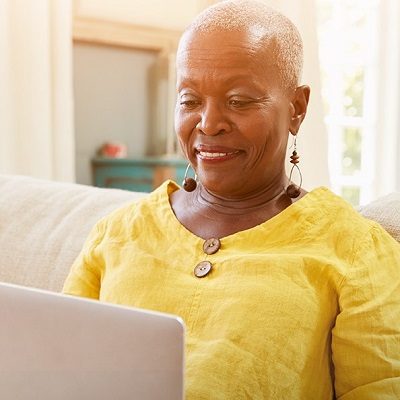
(216, 155)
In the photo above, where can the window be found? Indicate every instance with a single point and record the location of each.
(348, 40)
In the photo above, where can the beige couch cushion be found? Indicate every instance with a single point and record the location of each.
(386, 211)
(43, 226)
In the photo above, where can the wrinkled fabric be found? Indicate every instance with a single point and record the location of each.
(303, 306)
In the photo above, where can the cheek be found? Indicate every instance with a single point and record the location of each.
(183, 127)
(258, 131)
(177, 119)
(267, 136)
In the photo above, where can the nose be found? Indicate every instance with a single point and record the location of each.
(213, 120)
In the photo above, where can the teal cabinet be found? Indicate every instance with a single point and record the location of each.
(139, 175)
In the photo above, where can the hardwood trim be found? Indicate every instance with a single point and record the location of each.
(111, 33)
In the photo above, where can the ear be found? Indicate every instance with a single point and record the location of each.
(299, 108)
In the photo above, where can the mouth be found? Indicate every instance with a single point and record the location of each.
(216, 154)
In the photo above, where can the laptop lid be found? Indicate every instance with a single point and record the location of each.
(54, 346)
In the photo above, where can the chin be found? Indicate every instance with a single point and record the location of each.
(221, 185)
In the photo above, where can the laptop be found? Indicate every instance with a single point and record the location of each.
(55, 346)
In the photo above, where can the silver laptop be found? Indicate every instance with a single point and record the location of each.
(54, 346)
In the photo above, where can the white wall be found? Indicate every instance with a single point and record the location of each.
(112, 101)
(170, 14)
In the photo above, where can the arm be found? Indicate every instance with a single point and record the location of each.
(85, 275)
(366, 337)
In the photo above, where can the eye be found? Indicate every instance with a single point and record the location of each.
(238, 103)
(189, 101)
(189, 104)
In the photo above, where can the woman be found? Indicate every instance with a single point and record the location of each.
(285, 294)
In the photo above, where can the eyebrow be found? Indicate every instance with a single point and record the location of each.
(227, 82)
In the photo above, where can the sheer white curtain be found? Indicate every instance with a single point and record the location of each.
(387, 138)
(36, 101)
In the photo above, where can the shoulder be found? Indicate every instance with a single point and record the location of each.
(341, 231)
(364, 226)
(134, 216)
(371, 254)
(330, 213)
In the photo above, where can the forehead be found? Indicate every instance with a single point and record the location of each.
(223, 50)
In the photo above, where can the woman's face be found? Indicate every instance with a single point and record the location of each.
(232, 114)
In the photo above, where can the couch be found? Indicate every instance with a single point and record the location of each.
(43, 225)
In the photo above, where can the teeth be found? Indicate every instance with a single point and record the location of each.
(215, 155)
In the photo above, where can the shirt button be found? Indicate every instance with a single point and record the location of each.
(202, 269)
(211, 246)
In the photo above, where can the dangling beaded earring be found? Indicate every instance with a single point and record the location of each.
(189, 184)
(292, 190)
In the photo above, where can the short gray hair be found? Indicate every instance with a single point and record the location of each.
(277, 30)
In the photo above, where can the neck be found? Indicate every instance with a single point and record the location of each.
(268, 197)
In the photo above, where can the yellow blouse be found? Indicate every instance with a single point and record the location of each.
(301, 306)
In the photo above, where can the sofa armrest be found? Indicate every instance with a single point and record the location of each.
(385, 211)
(43, 226)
